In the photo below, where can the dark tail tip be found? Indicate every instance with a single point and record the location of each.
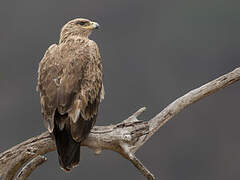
(68, 149)
(70, 160)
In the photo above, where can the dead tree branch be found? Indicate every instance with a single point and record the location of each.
(125, 137)
(30, 167)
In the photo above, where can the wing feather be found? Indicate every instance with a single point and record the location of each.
(47, 75)
(70, 81)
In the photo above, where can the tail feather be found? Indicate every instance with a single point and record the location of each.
(68, 137)
(81, 129)
(68, 149)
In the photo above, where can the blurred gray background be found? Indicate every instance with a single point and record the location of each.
(153, 52)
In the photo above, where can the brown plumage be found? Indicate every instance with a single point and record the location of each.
(70, 86)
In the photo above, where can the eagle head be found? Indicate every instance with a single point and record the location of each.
(78, 27)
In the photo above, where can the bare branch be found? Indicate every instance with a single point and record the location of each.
(191, 97)
(13, 159)
(30, 167)
(125, 137)
(137, 163)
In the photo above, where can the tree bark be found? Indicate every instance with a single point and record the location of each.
(125, 137)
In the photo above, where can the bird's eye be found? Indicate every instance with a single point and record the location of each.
(82, 23)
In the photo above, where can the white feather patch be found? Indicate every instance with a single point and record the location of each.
(102, 93)
(49, 125)
(75, 112)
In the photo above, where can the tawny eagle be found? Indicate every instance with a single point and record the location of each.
(70, 86)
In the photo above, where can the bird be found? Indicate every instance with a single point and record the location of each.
(71, 89)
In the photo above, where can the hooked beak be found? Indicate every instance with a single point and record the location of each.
(95, 25)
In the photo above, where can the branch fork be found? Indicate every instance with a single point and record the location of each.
(125, 137)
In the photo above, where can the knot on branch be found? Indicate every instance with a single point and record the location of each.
(130, 132)
(125, 138)
(132, 129)
(31, 150)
